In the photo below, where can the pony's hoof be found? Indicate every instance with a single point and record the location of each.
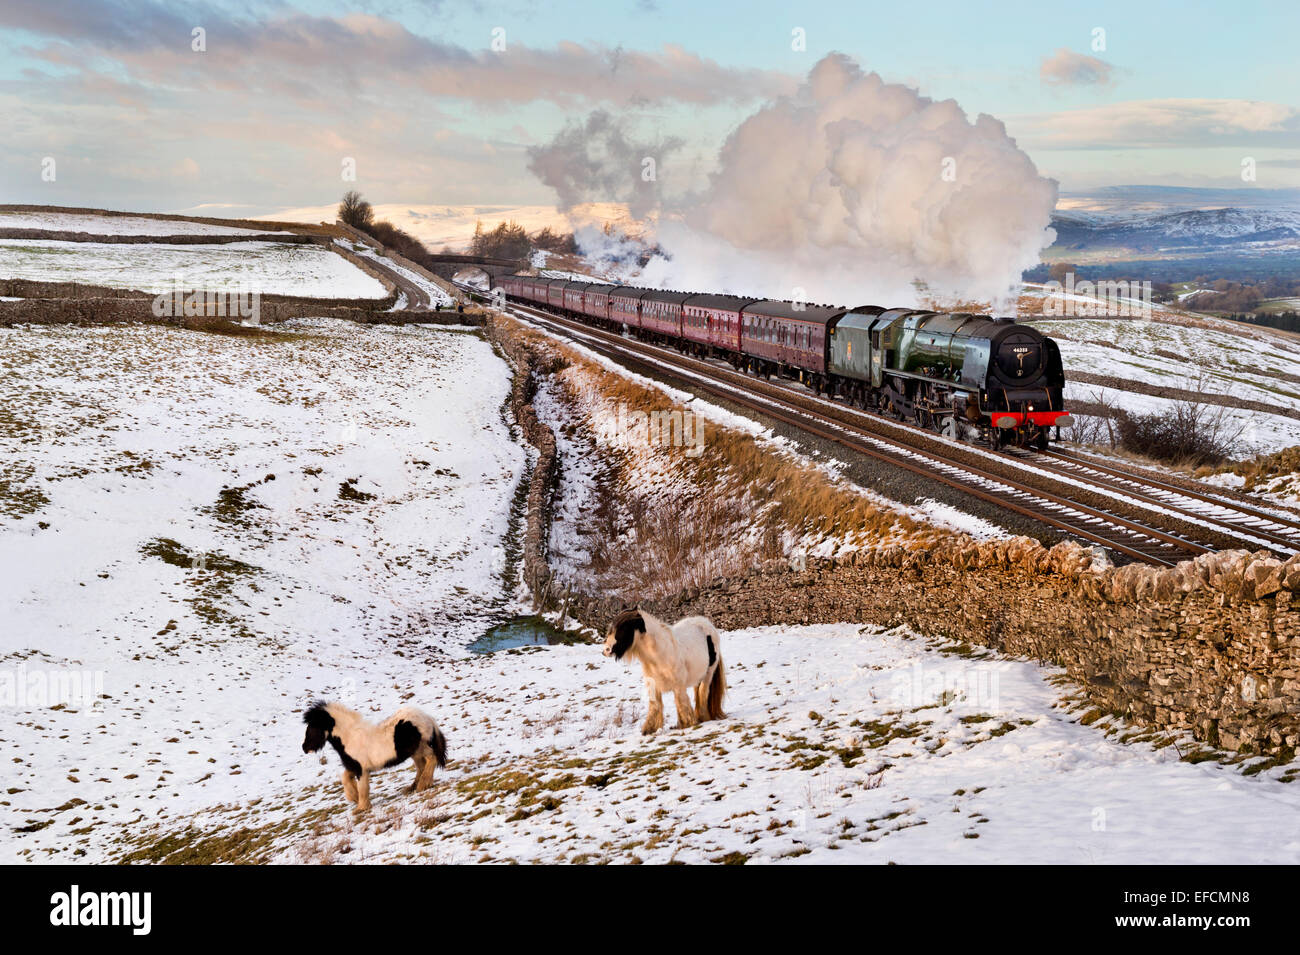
(647, 730)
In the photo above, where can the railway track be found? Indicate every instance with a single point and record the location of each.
(1276, 529)
(1062, 491)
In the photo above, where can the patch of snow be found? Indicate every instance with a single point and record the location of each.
(945, 515)
(222, 528)
(271, 268)
(114, 225)
(843, 744)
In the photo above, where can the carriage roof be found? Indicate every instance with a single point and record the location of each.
(796, 311)
(730, 303)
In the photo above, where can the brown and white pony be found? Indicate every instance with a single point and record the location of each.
(364, 747)
(682, 659)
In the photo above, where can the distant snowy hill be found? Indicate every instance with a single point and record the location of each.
(1167, 231)
(1135, 199)
(438, 226)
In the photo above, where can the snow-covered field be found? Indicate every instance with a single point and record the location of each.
(843, 744)
(200, 532)
(271, 268)
(1258, 366)
(1161, 353)
(113, 225)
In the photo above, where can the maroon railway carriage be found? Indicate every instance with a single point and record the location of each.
(574, 293)
(791, 335)
(714, 321)
(625, 305)
(596, 301)
(555, 293)
(661, 312)
(525, 288)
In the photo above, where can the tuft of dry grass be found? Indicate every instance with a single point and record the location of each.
(1276, 473)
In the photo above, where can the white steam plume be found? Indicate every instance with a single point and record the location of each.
(852, 190)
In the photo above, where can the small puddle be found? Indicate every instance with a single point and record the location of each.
(531, 631)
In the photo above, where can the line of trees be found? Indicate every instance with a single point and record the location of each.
(509, 240)
(1284, 321)
(1238, 297)
(360, 214)
(1160, 291)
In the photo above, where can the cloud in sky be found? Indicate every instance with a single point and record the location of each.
(284, 91)
(1160, 123)
(114, 91)
(1067, 68)
(311, 58)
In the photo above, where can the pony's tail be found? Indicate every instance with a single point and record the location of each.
(717, 690)
(438, 743)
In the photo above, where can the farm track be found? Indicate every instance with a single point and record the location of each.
(1137, 518)
(417, 299)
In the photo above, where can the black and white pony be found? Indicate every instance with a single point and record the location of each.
(364, 747)
(684, 660)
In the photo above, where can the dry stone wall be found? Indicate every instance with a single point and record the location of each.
(178, 239)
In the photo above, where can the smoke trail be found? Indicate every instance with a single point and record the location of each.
(598, 161)
(852, 190)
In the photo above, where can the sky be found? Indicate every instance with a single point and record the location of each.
(119, 104)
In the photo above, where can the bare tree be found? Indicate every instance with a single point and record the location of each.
(355, 211)
(1095, 420)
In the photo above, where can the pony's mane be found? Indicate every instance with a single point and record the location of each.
(625, 628)
(325, 715)
(629, 614)
(318, 715)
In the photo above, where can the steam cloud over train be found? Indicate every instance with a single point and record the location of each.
(971, 377)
